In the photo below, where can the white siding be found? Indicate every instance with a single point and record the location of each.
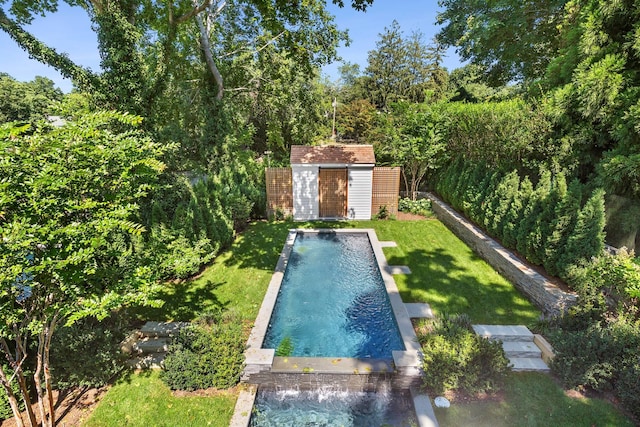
(305, 192)
(359, 193)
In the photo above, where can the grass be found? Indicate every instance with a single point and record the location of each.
(144, 400)
(532, 399)
(445, 273)
(449, 276)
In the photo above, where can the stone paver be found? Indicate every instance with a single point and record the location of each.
(528, 364)
(418, 310)
(388, 245)
(242, 412)
(398, 269)
(424, 410)
(504, 332)
(521, 349)
(518, 344)
(162, 329)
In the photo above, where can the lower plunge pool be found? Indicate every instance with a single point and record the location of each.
(328, 408)
(332, 301)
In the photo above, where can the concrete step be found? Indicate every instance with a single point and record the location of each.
(521, 349)
(161, 329)
(504, 332)
(148, 361)
(528, 364)
(148, 345)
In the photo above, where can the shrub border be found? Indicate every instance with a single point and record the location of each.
(547, 296)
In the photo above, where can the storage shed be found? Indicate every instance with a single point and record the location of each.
(332, 181)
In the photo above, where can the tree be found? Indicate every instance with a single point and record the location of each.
(356, 119)
(140, 42)
(402, 69)
(414, 143)
(67, 202)
(512, 40)
(26, 102)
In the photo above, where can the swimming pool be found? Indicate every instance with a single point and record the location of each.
(329, 407)
(332, 301)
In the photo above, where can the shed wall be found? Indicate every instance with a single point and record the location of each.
(359, 194)
(305, 192)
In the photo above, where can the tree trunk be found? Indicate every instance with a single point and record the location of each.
(19, 374)
(406, 183)
(36, 378)
(206, 49)
(47, 371)
(13, 402)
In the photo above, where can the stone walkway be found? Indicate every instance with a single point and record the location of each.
(518, 344)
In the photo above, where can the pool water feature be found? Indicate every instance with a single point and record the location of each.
(295, 376)
(332, 301)
(329, 407)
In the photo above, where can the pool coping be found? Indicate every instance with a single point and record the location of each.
(258, 359)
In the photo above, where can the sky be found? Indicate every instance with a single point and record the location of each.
(69, 31)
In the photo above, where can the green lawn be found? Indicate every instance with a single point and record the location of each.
(446, 274)
(449, 276)
(533, 399)
(144, 400)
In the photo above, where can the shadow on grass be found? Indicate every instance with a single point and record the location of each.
(183, 302)
(261, 244)
(462, 285)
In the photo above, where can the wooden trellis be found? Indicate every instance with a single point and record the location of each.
(385, 190)
(386, 187)
(279, 191)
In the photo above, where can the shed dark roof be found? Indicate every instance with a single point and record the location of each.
(326, 154)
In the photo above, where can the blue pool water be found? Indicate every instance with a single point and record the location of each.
(328, 408)
(332, 301)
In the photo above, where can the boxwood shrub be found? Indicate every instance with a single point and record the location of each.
(455, 358)
(208, 353)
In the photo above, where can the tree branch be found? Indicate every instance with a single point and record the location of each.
(193, 12)
(206, 49)
(81, 77)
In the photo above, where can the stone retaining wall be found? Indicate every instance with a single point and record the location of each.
(353, 382)
(545, 295)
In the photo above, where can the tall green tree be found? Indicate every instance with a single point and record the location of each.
(402, 68)
(510, 39)
(140, 42)
(414, 142)
(26, 101)
(67, 202)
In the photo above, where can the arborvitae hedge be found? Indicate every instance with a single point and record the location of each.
(548, 225)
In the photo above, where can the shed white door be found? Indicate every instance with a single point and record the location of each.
(332, 186)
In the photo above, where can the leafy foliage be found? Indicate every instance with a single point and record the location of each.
(87, 353)
(403, 69)
(414, 141)
(418, 207)
(535, 221)
(206, 354)
(68, 198)
(455, 358)
(485, 33)
(26, 102)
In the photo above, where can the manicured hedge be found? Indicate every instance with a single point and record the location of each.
(550, 223)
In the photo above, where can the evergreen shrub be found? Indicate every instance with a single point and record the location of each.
(547, 225)
(87, 353)
(455, 358)
(208, 353)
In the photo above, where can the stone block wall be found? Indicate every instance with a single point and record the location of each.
(544, 294)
